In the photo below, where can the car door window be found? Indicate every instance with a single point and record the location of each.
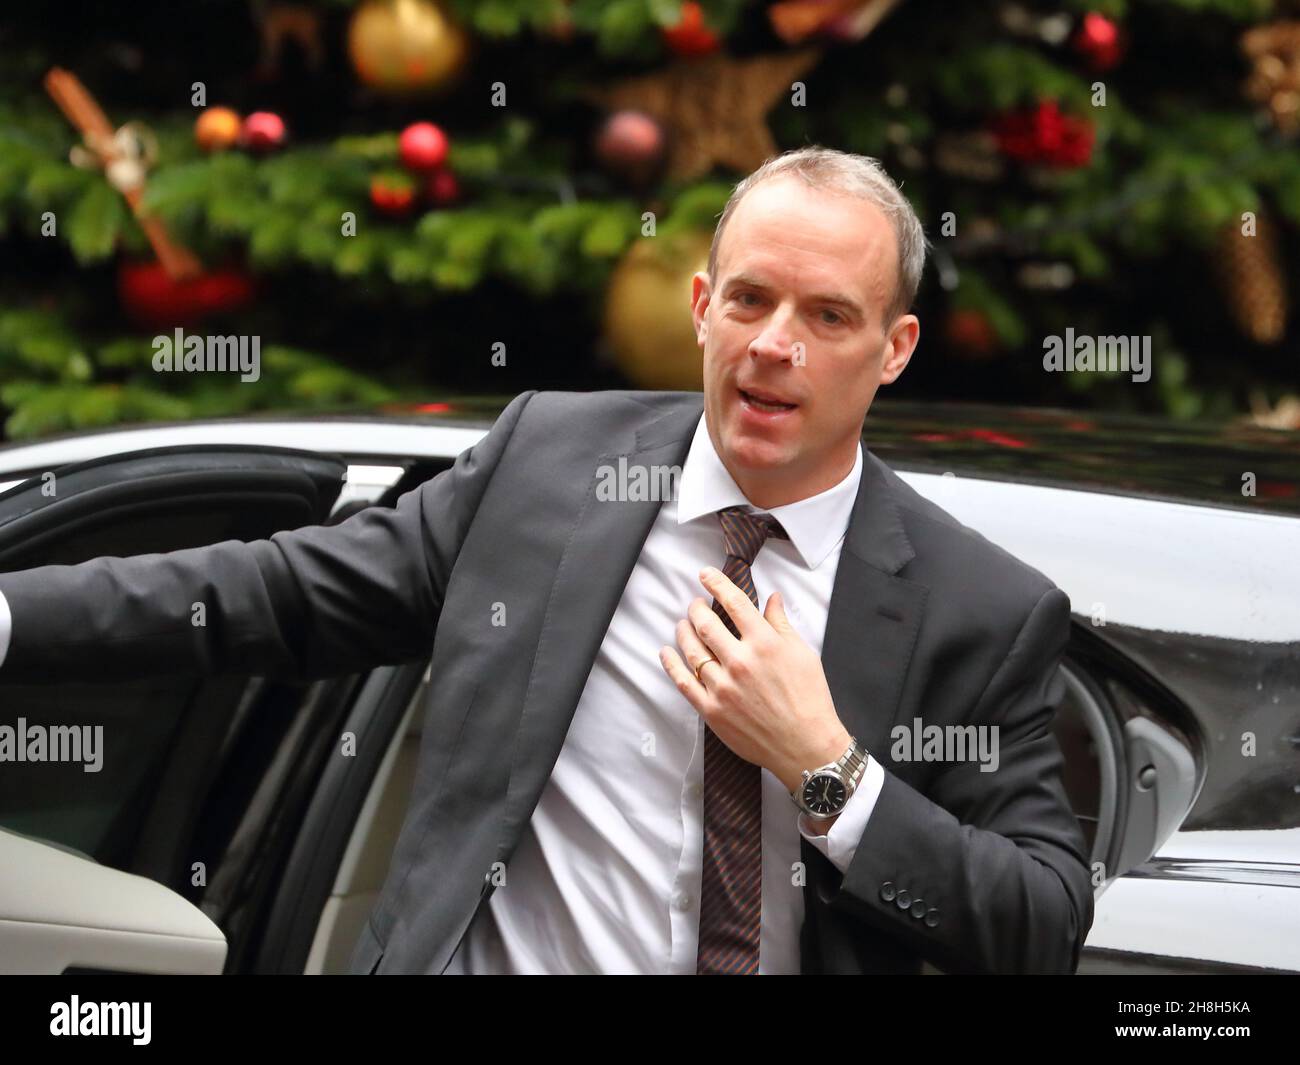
(139, 756)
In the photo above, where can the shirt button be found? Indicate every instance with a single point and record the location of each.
(697, 791)
(682, 901)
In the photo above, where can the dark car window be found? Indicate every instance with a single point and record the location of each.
(197, 782)
(99, 804)
(133, 748)
(90, 804)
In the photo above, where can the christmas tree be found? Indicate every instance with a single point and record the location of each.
(408, 200)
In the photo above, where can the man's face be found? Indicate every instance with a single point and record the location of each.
(795, 336)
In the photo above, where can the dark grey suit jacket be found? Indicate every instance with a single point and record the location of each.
(927, 619)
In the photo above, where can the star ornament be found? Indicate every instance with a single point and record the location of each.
(715, 108)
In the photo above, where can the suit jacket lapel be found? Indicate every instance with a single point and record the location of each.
(874, 614)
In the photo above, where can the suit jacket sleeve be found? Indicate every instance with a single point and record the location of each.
(997, 858)
(305, 603)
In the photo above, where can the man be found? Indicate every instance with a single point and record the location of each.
(627, 765)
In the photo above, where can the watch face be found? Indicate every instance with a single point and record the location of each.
(824, 794)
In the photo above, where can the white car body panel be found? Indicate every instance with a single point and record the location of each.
(1170, 567)
(1217, 922)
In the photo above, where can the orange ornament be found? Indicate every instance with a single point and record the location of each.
(217, 129)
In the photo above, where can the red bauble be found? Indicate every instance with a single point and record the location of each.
(422, 147)
(691, 36)
(1044, 135)
(442, 188)
(152, 298)
(631, 144)
(392, 194)
(971, 333)
(263, 132)
(1098, 41)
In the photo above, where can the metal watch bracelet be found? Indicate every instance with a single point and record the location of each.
(852, 764)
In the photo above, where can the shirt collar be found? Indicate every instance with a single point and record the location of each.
(815, 525)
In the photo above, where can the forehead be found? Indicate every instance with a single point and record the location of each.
(792, 232)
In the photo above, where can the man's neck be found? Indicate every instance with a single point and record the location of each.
(780, 489)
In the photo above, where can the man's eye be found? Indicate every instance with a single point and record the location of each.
(747, 295)
(833, 314)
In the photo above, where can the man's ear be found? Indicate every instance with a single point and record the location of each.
(701, 294)
(902, 340)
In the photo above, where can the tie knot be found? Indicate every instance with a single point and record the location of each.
(744, 532)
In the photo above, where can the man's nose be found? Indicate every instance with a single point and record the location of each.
(777, 338)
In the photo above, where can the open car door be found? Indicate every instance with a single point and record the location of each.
(63, 912)
(108, 860)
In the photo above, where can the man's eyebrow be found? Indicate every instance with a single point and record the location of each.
(836, 298)
(745, 279)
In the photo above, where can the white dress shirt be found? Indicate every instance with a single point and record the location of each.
(607, 874)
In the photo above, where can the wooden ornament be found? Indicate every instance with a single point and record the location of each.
(80, 108)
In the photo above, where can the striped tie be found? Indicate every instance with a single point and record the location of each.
(731, 895)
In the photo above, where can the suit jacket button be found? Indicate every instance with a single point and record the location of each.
(932, 918)
(887, 891)
(918, 908)
(904, 899)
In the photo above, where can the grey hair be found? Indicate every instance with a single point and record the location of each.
(851, 175)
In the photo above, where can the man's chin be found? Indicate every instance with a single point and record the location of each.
(754, 455)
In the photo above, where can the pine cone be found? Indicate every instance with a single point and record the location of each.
(1253, 280)
(1274, 53)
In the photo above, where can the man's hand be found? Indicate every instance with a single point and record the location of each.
(766, 696)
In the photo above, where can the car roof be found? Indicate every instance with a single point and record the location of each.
(1208, 463)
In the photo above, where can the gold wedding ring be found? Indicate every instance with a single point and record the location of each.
(701, 666)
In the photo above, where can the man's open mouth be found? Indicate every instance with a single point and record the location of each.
(765, 402)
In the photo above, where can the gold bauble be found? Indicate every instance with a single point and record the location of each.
(405, 47)
(648, 311)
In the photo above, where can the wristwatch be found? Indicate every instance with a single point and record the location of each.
(825, 791)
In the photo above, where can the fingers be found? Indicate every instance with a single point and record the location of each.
(702, 635)
(774, 613)
(682, 676)
(711, 632)
(694, 652)
(744, 615)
